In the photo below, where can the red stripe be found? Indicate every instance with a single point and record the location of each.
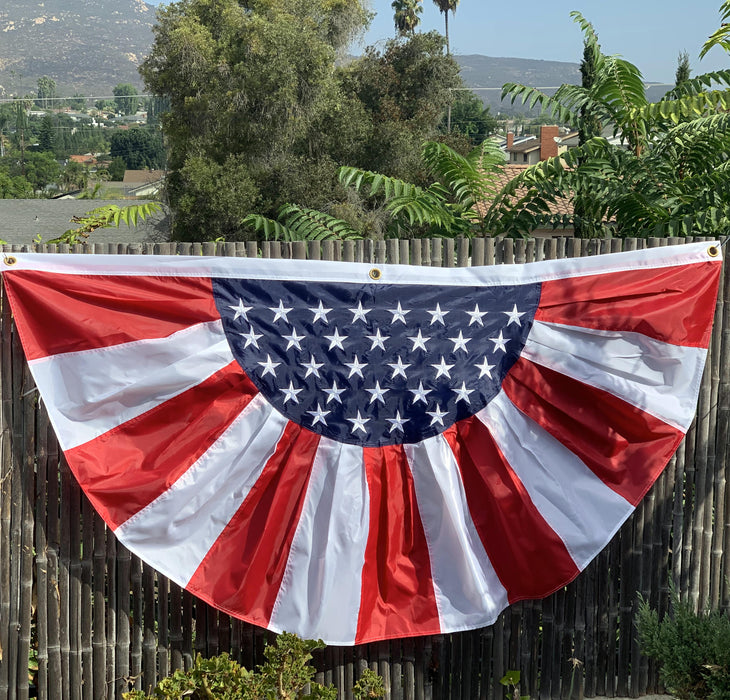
(242, 572)
(625, 447)
(126, 468)
(91, 311)
(672, 304)
(528, 556)
(397, 598)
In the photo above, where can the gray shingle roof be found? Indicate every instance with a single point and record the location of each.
(21, 220)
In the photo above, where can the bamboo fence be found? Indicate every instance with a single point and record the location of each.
(97, 621)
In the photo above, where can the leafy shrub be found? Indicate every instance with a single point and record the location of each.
(286, 675)
(693, 650)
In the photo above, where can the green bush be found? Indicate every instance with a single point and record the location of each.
(286, 675)
(693, 650)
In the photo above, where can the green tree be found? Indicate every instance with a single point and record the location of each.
(471, 118)
(140, 148)
(74, 177)
(406, 15)
(14, 187)
(125, 98)
(446, 6)
(403, 91)
(667, 175)
(77, 102)
(47, 134)
(246, 83)
(683, 68)
(41, 170)
(46, 92)
(117, 168)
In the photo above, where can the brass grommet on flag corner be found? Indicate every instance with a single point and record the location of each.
(375, 274)
(713, 251)
(10, 260)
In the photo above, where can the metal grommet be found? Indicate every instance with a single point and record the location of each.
(10, 260)
(713, 251)
(375, 274)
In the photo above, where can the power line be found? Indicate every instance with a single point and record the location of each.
(10, 100)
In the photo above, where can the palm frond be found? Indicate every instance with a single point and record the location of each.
(698, 84)
(721, 36)
(301, 224)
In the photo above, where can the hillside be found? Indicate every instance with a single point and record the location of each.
(89, 46)
(488, 72)
(86, 46)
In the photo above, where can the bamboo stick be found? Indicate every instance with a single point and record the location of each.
(6, 473)
(86, 611)
(41, 549)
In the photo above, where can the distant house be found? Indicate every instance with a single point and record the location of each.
(143, 183)
(562, 205)
(531, 151)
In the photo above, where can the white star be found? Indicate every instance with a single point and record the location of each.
(269, 367)
(420, 393)
(355, 367)
(241, 310)
(460, 342)
(514, 315)
(293, 339)
(476, 315)
(398, 368)
(437, 315)
(397, 423)
(463, 393)
(320, 313)
(377, 393)
(280, 311)
(333, 394)
(442, 369)
(500, 343)
(399, 314)
(419, 341)
(251, 338)
(485, 368)
(359, 312)
(318, 415)
(377, 339)
(336, 340)
(291, 393)
(437, 416)
(358, 423)
(312, 367)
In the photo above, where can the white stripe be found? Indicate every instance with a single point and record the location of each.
(468, 592)
(328, 271)
(319, 595)
(96, 390)
(657, 377)
(578, 506)
(174, 532)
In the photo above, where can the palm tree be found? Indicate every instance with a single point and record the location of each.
(667, 174)
(444, 6)
(406, 15)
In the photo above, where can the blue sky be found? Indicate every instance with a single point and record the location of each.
(649, 33)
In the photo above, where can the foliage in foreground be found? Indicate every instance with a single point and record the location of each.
(105, 217)
(667, 176)
(693, 650)
(390, 207)
(286, 675)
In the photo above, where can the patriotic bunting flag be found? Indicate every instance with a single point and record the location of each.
(355, 453)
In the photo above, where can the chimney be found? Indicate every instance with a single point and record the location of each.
(548, 146)
(510, 139)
